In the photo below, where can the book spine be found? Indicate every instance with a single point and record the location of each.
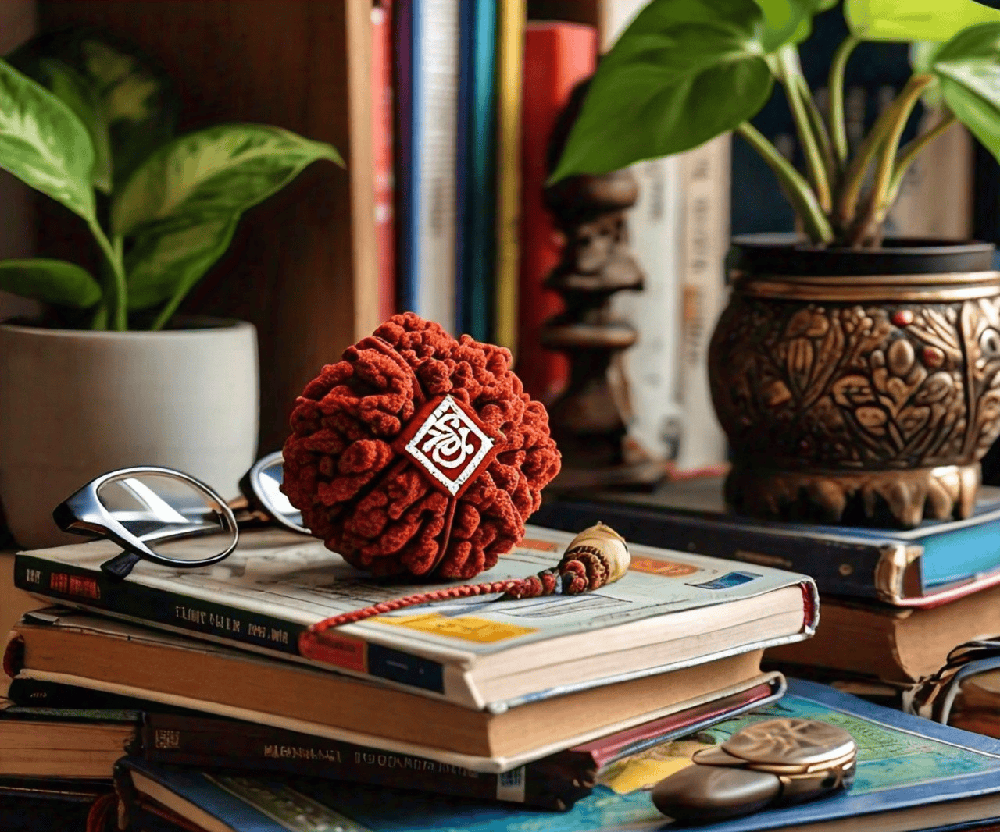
(207, 743)
(404, 170)
(222, 622)
(838, 567)
(382, 145)
(434, 136)
(557, 56)
(936, 195)
(478, 221)
(512, 17)
(703, 242)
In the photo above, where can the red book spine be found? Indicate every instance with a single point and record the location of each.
(383, 150)
(557, 56)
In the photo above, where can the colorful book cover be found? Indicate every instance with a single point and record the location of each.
(911, 774)
(474, 650)
(936, 562)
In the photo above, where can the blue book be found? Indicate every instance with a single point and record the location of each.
(912, 774)
(476, 191)
(936, 562)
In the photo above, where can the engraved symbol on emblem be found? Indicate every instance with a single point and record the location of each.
(449, 445)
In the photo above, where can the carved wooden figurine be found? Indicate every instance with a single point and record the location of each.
(586, 419)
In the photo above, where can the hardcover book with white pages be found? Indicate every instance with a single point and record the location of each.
(670, 610)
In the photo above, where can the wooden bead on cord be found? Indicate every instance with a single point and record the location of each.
(597, 556)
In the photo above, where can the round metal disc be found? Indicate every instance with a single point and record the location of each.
(790, 742)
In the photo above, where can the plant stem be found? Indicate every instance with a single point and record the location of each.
(835, 89)
(99, 321)
(789, 74)
(166, 312)
(113, 254)
(822, 136)
(796, 188)
(878, 203)
(909, 152)
(854, 175)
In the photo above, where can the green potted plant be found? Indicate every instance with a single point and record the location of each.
(855, 376)
(108, 376)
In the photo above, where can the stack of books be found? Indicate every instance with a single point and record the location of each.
(895, 602)
(216, 670)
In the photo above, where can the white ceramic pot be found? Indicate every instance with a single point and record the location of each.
(75, 403)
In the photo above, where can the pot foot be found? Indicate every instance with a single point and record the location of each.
(897, 499)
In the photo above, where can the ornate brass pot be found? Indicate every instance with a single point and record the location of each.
(858, 386)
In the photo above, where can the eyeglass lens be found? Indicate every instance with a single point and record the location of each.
(266, 479)
(171, 516)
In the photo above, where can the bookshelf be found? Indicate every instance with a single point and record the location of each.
(302, 266)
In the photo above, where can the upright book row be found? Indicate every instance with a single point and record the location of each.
(474, 91)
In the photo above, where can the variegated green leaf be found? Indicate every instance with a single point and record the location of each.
(218, 171)
(50, 281)
(124, 98)
(72, 88)
(169, 258)
(44, 144)
(139, 102)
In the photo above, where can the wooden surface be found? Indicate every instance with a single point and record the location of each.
(302, 265)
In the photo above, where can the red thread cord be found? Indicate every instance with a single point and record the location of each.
(576, 574)
(99, 816)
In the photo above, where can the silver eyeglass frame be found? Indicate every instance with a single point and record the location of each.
(84, 513)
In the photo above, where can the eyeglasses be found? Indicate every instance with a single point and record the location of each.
(147, 509)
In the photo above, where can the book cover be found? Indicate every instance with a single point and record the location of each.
(557, 56)
(87, 651)
(669, 610)
(477, 169)
(911, 774)
(511, 22)
(937, 562)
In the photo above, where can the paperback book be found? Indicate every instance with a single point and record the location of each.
(912, 774)
(114, 657)
(934, 563)
(670, 610)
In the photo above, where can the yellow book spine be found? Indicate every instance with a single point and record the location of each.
(510, 58)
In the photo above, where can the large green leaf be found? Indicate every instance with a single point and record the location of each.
(968, 68)
(789, 21)
(683, 72)
(43, 143)
(912, 20)
(219, 171)
(169, 258)
(50, 281)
